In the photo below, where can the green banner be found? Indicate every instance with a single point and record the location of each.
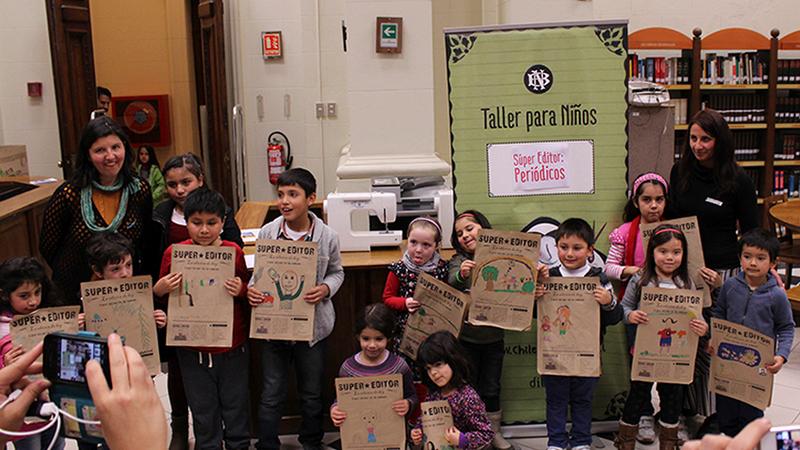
(537, 122)
(538, 128)
(522, 395)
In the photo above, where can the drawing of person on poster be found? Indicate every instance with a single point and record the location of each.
(285, 283)
(281, 270)
(562, 319)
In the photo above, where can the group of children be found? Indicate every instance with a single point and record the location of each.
(466, 370)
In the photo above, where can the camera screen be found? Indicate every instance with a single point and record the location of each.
(74, 356)
(787, 440)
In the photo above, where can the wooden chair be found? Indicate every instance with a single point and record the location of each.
(789, 252)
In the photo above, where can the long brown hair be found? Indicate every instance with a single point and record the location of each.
(725, 168)
(661, 235)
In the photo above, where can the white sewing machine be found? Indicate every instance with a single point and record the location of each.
(421, 196)
(339, 208)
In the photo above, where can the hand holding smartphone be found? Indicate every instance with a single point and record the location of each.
(65, 357)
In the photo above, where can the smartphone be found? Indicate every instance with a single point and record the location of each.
(65, 357)
(782, 438)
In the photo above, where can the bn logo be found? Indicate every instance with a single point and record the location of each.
(538, 79)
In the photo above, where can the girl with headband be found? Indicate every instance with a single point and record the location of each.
(666, 266)
(422, 255)
(646, 204)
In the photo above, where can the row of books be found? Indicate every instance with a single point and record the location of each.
(789, 71)
(789, 147)
(787, 110)
(735, 68)
(755, 175)
(785, 181)
(747, 145)
(681, 109)
(738, 108)
(674, 70)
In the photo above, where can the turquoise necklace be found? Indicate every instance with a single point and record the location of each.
(87, 207)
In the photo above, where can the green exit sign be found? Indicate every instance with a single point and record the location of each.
(389, 32)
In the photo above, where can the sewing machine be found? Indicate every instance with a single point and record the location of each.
(339, 208)
(420, 196)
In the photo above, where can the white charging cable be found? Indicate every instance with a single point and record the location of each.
(48, 410)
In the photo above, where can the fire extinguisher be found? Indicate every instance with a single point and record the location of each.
(277, 163)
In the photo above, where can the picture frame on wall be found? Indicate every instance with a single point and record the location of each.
(145, 118)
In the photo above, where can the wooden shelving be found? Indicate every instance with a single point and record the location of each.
(747, 126)
(731, 41)
(733, 87)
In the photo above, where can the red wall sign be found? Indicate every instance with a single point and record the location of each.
(271, 44)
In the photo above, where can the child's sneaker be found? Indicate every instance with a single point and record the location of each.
(552, 447)
(582, 447)
(647, 431)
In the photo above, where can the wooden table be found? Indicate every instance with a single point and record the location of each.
(21, 218)
(256, 214)
(787, 214)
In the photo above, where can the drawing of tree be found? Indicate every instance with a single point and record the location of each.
(490, 274)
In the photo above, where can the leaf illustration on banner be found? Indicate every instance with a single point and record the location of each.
(612, 38)
(460, 45)
(616, 404)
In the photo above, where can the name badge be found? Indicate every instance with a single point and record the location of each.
(714, 201)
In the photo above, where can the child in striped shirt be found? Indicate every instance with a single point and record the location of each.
(374, 329)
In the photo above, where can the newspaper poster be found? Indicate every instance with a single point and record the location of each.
(30, 329)
(442, 307)
(13, 160)
(201, 310)
(125, 307)
(371, 423)
(738, 363)
(665, 346)
(436, 418)
(568, 334)
(284, 272)
(690, 229)
(504, 279)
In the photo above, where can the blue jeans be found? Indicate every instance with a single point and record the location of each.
(733, 415)
(217, 390)
(309, 363)
(575, 393)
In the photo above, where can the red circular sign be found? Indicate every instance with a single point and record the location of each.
(140, 117)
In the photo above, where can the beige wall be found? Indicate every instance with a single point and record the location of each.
(447, 14)
(144, 47)
(24, 57)
(312, 70)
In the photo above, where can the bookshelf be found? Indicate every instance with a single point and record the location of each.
(787, 114)
(738, 72)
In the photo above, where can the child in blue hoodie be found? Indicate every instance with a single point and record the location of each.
(754, 299)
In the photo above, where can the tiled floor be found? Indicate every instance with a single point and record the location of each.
(784, 410)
